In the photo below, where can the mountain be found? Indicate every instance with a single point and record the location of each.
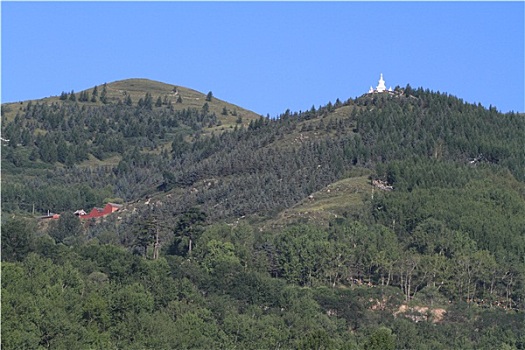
(382, 219)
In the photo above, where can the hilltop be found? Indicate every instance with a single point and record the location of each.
(107, 108)
(136, 89)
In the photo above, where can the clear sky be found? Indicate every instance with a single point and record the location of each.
(267, 56)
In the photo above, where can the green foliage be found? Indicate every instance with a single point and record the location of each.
(381, 339)
(218, 253)
(72, 96)
(104, 94)
(304, 252)
(188, 228)
(67, 229)
(17, 238)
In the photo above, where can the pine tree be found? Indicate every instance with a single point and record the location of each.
(103, 95)
(83, 96)
(209, 96)
(148, 101)
(189, 226)
(205, 108)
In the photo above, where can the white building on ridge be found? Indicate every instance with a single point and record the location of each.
(381, 87)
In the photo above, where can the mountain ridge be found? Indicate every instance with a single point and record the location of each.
(348, 225)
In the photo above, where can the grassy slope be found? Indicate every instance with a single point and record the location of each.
(342, 198)
(137, 88)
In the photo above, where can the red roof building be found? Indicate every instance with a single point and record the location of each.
(100, 212)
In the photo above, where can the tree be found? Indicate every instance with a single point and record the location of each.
(408, 274)
(217, 253)
(179, 146)
(209, 96)
(47, 150)
(304, 254)
(103, 94)
(72, 96)
(147, 233)
(94, 94)
(189, 226)
(83, 96)
(66, 229)
(17, 237)
(381, 339)
(205, 108)
(318, 340)
(52, 293)
(148, 101)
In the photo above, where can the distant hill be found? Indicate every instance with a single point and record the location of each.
(136, 89)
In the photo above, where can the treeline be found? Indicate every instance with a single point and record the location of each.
(304, 287)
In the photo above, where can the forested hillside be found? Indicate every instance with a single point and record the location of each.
(388, 221)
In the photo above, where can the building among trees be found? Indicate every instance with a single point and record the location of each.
(99, 212)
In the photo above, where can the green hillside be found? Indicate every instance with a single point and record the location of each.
(388, 221)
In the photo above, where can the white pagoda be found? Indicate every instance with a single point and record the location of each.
(381, 87)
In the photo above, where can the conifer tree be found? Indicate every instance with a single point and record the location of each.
(103, 94)
(205, 108)
(148, 101)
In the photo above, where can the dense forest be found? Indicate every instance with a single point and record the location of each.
(425, 249)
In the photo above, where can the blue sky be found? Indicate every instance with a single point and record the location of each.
(267, 56)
